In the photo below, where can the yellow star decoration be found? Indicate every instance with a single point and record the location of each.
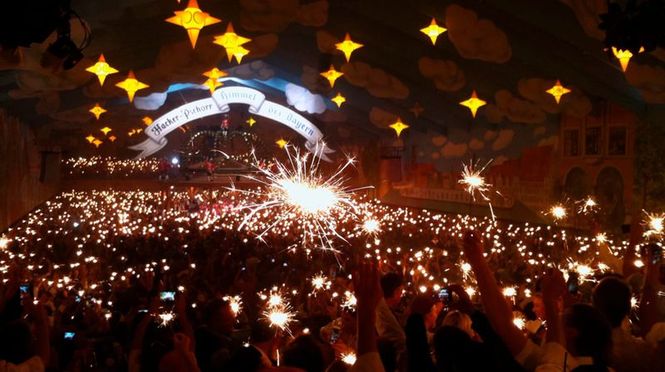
(193, 20)
(101, 69)
(97, 142)
(331, 75)
(251, 121)
(339, 99)
(215, 73)
(97, 110)
(473, 103)
(105, 130)
(233, 43)
(348, 46)
(212, 84)
(433, 31)
(90, 138)
(398, 126)
(131, 132)
(282, 143)
(147, 120)
(139, 130)
(131, 85)
(112, 138)
(557, 91)
(624, 56)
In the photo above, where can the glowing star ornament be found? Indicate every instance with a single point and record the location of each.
(232, 42)
(215, 73)
(339, 100)
(624, 56)
(348, 46)
(398, 126)
(282, 143)
(97, 111)
(101, 69)
(251, 121)
(112, 138)
(473, 103)
(97, 142)
(105, 130)
(212, 84)
(433, 31)
(193, 20)
(417, 109)
(331, 75)
(131, 85)
(558, 90)
(147, 120)
(90, 138)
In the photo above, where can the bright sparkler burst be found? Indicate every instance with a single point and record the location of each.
(558, 212)
(371, 226)
(166, 318)
(298, 191)
(474, 182)
(319, 282)
(349, 358)
(280, 316)
(655, 223)
(235, 302)
(588, 205)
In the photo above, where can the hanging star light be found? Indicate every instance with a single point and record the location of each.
(212, 84)
(282, 143)
(131, 85)
(97, 111)
(331, 75)
(433, 31)
(105, 130)
(215, 73)
(97, 142)
(348, 46)
(232, 42)
(398, 126)
(473, 103)
(251, 121)
(417, 109)
(112, 138)
(101, 69)
(193, 20)
(147, 120)
(90, 138)
(624, 56)
(558, 90)
(339, 100)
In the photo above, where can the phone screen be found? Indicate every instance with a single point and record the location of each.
(167, 296)
(69, 335)
(25, 288)
(444, 295)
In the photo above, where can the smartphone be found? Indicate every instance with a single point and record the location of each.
(167, 295)
(444, 295)
(69, 335)
(24, 288)
(77, 298)
(143, 310)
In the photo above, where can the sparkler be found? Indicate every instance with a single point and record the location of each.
(474, 182)
(280, 316)
(320, 281)
(654, 223)
(349, 358)
(558, 211)
(166, 318)
(371, 226)
(587, 205)
(235, 302)
(350, 301)
(519, 320)
(300, 194)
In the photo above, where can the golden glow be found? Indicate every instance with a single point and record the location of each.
(473, 103)
(232, 42)
(250, 121)
(398, 126)
(105, 130)
(282, 143)
(112, 138)
(147, 120)
(97, 111)
(212, 84)
(90, 138)
(348, 46)
(558, 90)
(193, 20)
(131, 85)
(433, 31)
(331, 75)
(339, 100)
(624, 56)
(101, 69)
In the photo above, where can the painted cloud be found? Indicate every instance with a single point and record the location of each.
(649, 80)
(514, 109)
(504, 139)
(377, 82)
(276, 15)
(454, 150)
(445, 74)
(476, 38)
(303, 100)
(381, 118)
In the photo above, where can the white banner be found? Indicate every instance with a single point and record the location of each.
(218, 104)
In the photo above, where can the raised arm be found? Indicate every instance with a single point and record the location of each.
(649, 300)
(368, 292)
(496, 307)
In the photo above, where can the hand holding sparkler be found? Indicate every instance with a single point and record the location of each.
(472, 246)
(554, 289)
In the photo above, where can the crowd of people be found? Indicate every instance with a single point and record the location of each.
(183, 280)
